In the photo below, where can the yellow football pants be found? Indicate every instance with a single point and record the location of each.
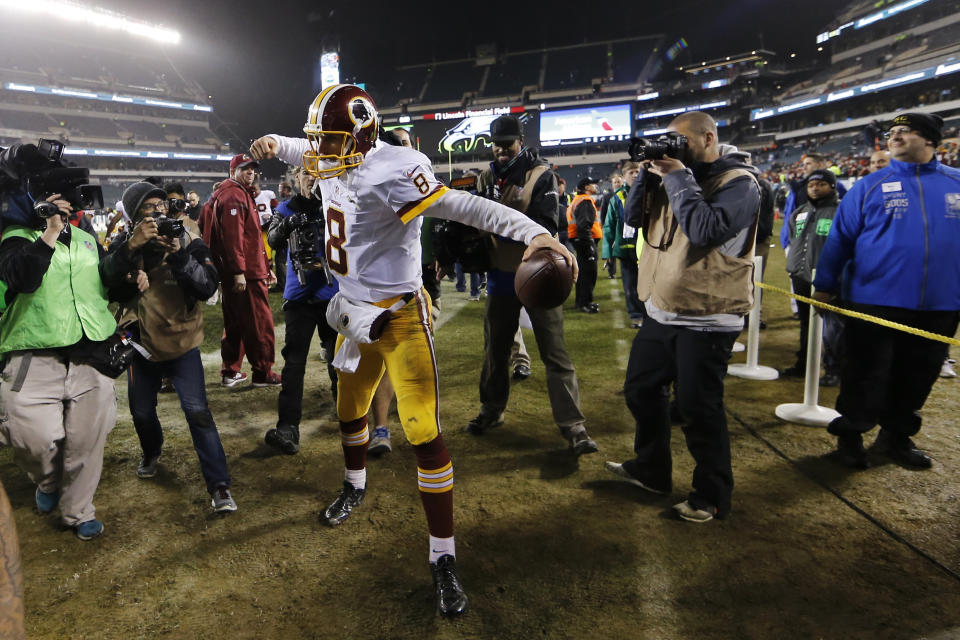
(405, 352)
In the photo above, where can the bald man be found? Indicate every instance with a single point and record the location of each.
(879, 160)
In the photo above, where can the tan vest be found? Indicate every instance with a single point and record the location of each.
(167, 329)
(688, 280)
(506, 256)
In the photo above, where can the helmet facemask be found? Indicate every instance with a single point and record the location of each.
(330, 165)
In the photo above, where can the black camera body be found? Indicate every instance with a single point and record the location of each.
(672, 145)
(176, 206)
(40, 171)
(169, 227)
(305, 243)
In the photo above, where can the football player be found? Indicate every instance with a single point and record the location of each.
(375, 195)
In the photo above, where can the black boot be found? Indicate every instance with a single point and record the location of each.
(900, 448)
(285, 438)
(851, 451)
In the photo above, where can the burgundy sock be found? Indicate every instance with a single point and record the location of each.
(435, 480)
(354, 439)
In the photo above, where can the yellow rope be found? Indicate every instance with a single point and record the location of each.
(862, 316)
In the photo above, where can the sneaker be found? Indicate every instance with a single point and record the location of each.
(148, 466)
(830, 380)
(482, 423)
(581, 443)
(89, 530)
(691, 513)
(901, 449)
(46, 502)
(618, 470)
(380, 442)
(269, 379)
(851, 452)
(947, 371)
(594, 306)
(636, 324)
(285, 438)
(451, 599)
(521, 372)
(222, 501)
(349, 499)
(588, 309)
(233, 380)
(475, 298)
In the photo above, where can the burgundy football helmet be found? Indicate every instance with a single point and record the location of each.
(342, 127)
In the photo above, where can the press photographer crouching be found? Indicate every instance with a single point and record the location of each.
(698, 214)
(167, 317)
(57, 336)
(299, 224)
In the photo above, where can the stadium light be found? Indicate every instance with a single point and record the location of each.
(96, 17)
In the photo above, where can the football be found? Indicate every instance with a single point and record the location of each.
(544, 281)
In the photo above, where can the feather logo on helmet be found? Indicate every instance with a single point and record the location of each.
(361, 112)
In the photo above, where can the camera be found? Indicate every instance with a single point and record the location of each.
(671, 144)
(306, 243)
(39, 170)
(176, 206)
(169, 227)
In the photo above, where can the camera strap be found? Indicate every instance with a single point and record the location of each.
(21, 376)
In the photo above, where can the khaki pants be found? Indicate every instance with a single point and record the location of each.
(56, 416)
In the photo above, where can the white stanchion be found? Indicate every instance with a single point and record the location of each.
(809, 412)
(752, 370)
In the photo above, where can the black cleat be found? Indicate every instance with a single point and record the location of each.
(581, 443)
(285, 438)
(451, 598)
(521, 372)
(483, 423)
(349, 499)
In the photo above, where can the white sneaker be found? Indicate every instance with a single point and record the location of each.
(234, 380)
(947, 371)
(380, 442)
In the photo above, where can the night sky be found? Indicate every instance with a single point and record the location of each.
(256, 58)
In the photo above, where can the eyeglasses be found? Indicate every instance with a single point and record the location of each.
(150, 208)
(902, 131)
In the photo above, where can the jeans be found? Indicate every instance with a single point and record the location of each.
(697, 362)
(475, 279)
(302, 319)
(186, 373)
(628, 273)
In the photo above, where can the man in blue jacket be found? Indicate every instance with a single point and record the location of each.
(894, 239)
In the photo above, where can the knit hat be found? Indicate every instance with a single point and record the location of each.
(825, 175)
(928, 125)
(505, 129)
(136, 193)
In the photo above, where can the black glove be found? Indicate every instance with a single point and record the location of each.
(178, 259)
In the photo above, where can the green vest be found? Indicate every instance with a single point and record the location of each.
(70, 303)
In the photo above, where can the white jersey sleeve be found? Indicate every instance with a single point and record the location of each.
(403, 180)
(485, 214)
(291, 150)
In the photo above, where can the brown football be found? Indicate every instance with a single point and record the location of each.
(544, 281)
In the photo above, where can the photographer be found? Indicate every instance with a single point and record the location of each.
(306, 295)
(520, 179)
(697, 214)
(57, 407)
(170, 321)
(178, 207)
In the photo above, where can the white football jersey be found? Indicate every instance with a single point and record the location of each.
(264, 207)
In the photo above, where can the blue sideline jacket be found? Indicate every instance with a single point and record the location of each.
(899, 228)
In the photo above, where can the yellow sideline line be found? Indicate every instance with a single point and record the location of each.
(862, 316)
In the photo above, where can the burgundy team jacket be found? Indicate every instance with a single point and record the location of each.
(232, 231)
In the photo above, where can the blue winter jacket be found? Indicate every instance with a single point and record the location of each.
(899, 230)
